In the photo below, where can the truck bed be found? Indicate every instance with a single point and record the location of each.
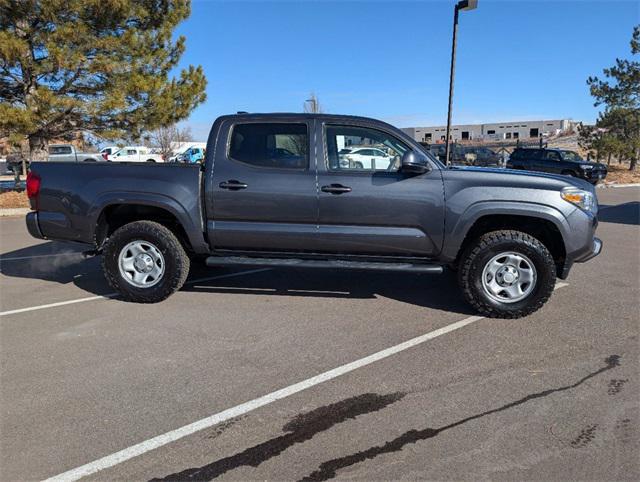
(73, 196)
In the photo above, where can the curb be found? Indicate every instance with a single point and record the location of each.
(607, 186)
(6, 212)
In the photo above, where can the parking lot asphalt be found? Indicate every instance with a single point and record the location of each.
(550, 396)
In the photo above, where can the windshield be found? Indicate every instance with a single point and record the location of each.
(571, 156)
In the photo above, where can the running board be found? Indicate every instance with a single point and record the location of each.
(322, 263)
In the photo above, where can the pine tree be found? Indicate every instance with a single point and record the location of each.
(620, 95)
(101, 66)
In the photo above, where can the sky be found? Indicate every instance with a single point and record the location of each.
(516, 59)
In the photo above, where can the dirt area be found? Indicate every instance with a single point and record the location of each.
(13, 199)
(620, 174)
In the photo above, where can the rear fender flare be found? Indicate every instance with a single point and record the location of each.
(193, 230)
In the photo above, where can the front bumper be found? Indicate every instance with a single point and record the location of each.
(595, 175)
(596, 248)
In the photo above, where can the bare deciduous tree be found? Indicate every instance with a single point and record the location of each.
(165, 138)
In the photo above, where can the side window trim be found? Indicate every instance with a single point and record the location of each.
(233, 125)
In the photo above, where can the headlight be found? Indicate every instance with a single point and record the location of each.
(583, 199)
(586, 166)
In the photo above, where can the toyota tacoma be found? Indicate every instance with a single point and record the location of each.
(273, 191)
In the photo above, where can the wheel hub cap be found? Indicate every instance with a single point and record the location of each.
(141, 264)
(509, 277)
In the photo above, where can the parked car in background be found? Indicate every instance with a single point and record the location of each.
(557, 161)
(135, 154)
(460, 155)
(69, 153)
(456, 153)
(365, 158)
(108, 151)
(180, 155)
(482, 156)
(192, 155)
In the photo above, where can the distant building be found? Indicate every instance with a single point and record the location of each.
(494, 131)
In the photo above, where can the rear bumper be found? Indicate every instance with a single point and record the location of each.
(33, 226)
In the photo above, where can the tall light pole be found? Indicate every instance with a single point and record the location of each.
(461, 5)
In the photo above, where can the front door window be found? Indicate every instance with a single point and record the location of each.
(383, 152)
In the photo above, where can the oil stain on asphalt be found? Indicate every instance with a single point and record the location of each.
(300, 429)
(328, 470)
(585, 438)
(615, 386)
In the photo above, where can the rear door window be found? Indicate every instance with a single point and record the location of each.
(552, 156)
(275, 145)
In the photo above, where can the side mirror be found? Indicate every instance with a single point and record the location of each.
(413, 163)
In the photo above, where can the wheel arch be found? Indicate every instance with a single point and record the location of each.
(113, 211)
(542, 222)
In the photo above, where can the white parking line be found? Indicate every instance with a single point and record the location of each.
(173, 435)
(70, 253)
(60, 303)
(113, 295)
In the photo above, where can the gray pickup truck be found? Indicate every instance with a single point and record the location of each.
(68, 153)
(277, 190)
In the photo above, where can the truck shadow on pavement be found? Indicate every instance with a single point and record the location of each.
(627, 213)
(439, 292)
(63, 263)
(305, 426)
(55, 262)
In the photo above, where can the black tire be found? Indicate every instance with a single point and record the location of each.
(482, 250)
(151, 160)
(358, 165)
(176, 268)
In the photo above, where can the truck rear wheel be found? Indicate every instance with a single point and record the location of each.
(145, 262)
(507, 274)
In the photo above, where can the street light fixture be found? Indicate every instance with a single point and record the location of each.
(463, 5)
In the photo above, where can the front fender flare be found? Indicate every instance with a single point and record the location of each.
(460, 227)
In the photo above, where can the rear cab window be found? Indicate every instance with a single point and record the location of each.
(270, 145)
(59, 150)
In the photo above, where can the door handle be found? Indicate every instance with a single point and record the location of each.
(233, 185)
(335, 189)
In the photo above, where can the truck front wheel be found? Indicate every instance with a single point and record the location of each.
(145, 262)
(507, 274)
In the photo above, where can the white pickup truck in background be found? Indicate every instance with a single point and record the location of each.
(68, 153)
(135, 154)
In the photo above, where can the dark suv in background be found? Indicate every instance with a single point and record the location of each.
(557, 161)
